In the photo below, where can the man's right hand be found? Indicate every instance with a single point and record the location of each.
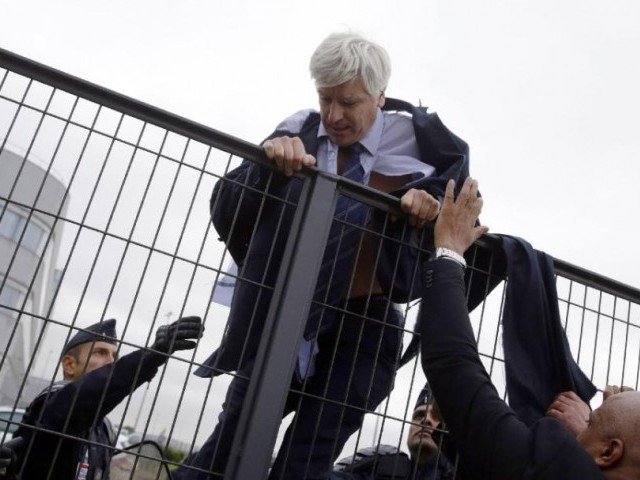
(455, 227)
(569, 409)
(288, 154)
(180, 335)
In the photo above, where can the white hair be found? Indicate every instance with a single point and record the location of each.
(344, 56)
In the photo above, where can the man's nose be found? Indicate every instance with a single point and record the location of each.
(335, 112)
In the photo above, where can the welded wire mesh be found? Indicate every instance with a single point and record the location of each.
(119, 237)
(105, 213)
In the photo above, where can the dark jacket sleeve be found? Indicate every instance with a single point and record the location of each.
(237, 199)
(493, 443)
(80, 403)
(234, 206)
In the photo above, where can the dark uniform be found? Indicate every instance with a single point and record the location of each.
(77, 409)
(52, 410)
(386, 462)
(90, 460)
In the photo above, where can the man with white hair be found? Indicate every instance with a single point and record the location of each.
(348, 355)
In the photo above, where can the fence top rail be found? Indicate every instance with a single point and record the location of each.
(578, 274)
(175, 123)
(241, 148)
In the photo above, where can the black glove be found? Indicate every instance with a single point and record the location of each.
(180, 335)
(8, 461)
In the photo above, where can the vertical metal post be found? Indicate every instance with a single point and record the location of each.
(277, 354)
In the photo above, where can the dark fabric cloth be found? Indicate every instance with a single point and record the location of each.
(79, 405)
(355, 370)
(255, 228)
(492, 442)
(538, 360)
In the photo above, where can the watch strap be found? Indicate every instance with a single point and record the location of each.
(448, 254)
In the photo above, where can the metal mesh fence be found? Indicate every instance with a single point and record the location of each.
(105, 208)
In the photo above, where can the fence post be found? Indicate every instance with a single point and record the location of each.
(272, 372)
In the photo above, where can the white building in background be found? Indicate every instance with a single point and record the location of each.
(29, 244)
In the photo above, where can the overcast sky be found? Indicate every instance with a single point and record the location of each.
(545, 92)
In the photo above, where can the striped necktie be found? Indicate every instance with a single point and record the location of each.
(337, 263)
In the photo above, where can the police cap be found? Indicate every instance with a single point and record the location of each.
(425, 397)
(104, 331)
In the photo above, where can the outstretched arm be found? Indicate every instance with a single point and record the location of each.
(79, 403)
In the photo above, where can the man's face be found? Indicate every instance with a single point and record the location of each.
(348, 111)
(87, 359)
(420, 440)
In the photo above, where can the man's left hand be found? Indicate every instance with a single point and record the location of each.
(569, 409)
(456, 225)
(420, 207)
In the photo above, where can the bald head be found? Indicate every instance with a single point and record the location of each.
(624, 411)
(613, 436)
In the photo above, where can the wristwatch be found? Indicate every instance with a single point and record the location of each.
(448, 254)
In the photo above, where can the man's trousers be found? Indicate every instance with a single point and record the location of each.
(354, 372)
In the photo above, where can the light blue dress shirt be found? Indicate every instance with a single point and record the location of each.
(390, 146)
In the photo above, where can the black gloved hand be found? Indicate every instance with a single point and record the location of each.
(179, 335)
(8, 461)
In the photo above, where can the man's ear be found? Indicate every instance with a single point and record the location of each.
(68, 366)
(381, 100)
(611, 453)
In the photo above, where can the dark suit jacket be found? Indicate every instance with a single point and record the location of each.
(255, 228)
(492, 442)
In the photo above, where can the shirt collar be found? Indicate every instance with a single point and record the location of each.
(371, 139)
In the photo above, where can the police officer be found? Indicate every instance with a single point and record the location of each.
(72, 436)
(425, 443)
